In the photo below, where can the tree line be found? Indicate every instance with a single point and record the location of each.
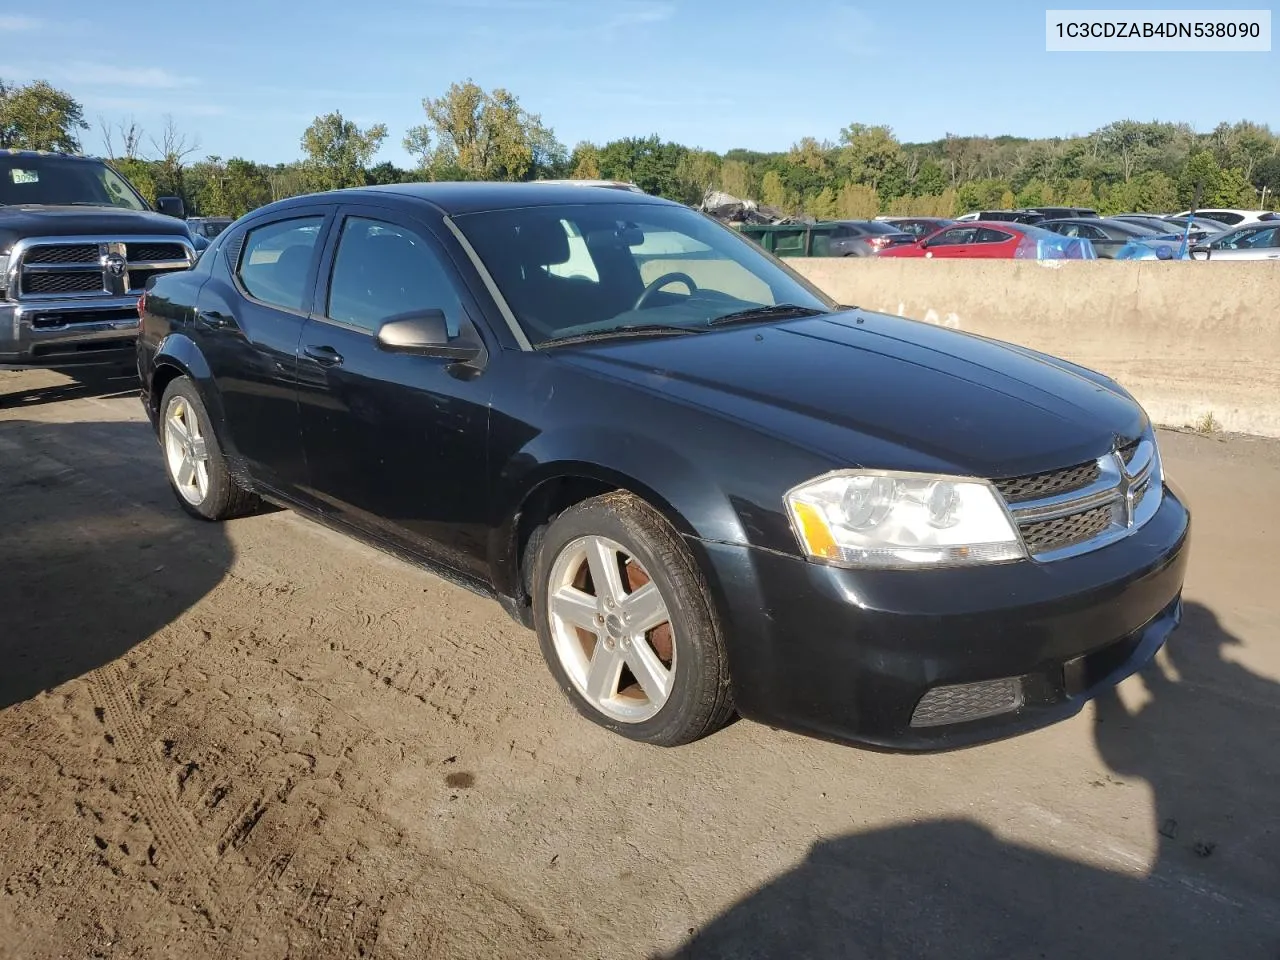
(469, 133)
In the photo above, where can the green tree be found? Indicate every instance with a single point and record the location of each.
(483, 135)
(38, 116)
(1201, 171)
(585, 162)
(772, 191)
(857, 201)
(825, 206)
(735, 179)
(137, 172)
(697, 172)
(648, 162)
(338, 151)
(871, 154)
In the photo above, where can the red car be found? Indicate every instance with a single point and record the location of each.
(989, 239)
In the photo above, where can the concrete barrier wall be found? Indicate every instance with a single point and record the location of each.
(1197, 343)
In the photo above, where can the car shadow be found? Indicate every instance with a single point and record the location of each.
(95, 555)
(1206, 742)
(101, 383)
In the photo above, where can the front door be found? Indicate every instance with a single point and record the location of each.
(250, 317)
(396, 444)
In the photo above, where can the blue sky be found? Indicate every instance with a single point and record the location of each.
(247, 78)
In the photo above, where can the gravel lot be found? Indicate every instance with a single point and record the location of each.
(265, 740)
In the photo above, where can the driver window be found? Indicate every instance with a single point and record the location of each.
(382, 270)
(956, 236)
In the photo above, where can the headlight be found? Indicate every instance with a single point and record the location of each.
(863, 518)
(4, 273)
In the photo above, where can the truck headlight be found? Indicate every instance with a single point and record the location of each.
(4, 273)
(873, 518)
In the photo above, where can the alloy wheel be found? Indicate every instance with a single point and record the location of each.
(185, 451)
(611, 629)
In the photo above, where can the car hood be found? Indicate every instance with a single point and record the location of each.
(880, 391)
(17, 222)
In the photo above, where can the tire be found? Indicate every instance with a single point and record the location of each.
(219, 497)
(587, 645)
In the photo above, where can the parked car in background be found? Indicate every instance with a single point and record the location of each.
(208, 227)
(77, 245)
(706, 486)
(826, 238)
(1059, 213)
(1109, 236)
(1255, 241)
(996, 240)
(1009, 216)
(1173, 227)
(918, 226)
(1229, 217)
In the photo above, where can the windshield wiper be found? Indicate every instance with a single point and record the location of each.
(777, 311)
(627, 330)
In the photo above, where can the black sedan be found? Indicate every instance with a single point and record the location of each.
(707, 486)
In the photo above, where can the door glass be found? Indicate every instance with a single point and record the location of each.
(383, 270)
(987, 235)
(276, 261)
(956, 236)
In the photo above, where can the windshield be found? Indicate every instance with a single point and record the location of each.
(595, 269)
(33, 179)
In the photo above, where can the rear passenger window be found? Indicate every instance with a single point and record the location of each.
(276, 261)
(987, 235)
(383, 270)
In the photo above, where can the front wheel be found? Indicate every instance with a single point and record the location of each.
(626, 624)
(193, 460)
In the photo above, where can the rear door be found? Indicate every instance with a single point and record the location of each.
(1261, 244)
(250, 317)
(993, 244)
(396, 444)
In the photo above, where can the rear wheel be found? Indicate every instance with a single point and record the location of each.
(626, 625)
(193, 460)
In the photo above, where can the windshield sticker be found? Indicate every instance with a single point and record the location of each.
(25, 176)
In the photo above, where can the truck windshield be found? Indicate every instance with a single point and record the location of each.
(51, 181)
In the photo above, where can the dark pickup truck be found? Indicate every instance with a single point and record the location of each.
(77, 246)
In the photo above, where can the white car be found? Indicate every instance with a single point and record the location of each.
(1233, 217)
(1252, 241)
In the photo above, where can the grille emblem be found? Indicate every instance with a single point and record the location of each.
(115, 265)
(1125, 487)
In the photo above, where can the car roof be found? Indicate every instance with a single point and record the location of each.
(15, 152)
(475, 196)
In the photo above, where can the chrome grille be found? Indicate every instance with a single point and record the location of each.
(1018, 489)
(79, 268)
(1066, 531)
(1061, 513)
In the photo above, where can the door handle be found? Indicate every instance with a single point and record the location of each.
(213, 319)
(324, 355)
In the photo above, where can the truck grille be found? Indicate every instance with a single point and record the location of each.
(92, 267)
(150, 252)
(63, 283)
(1061, 513)
(72, 253)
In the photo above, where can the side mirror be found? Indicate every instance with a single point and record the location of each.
(426, 334)
(172, 207)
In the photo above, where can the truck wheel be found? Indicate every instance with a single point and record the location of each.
(626, 624)
(193, 461)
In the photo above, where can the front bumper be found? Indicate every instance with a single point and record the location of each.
(67, 333)
(850, 655)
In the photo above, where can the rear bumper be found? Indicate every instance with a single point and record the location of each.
(68, 333)
(928, 660)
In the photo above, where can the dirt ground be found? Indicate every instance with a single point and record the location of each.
(264, 740)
